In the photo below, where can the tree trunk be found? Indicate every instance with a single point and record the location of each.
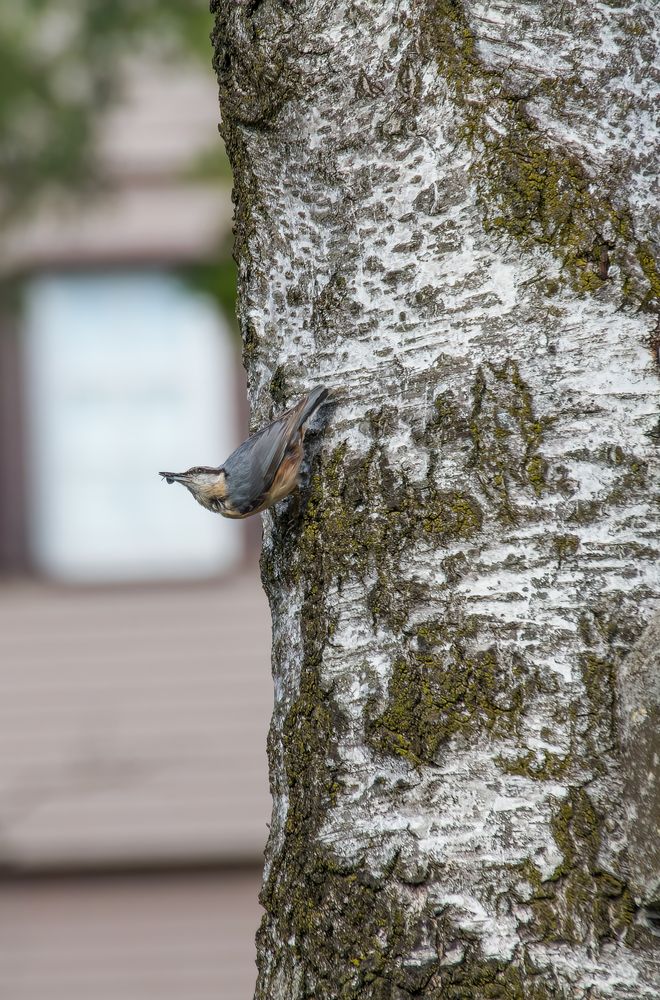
(444, 208)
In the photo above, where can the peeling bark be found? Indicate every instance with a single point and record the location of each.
(445, 209)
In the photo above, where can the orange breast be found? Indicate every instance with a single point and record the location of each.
(286, 477)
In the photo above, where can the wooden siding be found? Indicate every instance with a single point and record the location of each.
(133, 724)
(188, 937)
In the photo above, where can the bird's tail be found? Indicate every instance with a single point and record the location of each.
(308, 406)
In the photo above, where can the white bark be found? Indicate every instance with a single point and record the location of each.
(446, 210)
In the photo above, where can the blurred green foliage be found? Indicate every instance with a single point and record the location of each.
(60, 71)
(217, 280)
(59, 64)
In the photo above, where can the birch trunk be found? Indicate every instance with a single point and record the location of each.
(445, 208)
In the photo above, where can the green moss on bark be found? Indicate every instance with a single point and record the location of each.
(506, 436)
(543, 766)
(451, 515)
(334, 930)
(433, 696)
(580, 903)
(254, 57)
(565, 547)
(361, 515)
(651, 273)
(607, 631)
(477, 978)
(630, 480)
(535, 191)
(338, 932)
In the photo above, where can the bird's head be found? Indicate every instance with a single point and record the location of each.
(208, 486)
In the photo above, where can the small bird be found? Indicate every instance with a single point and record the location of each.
(262, 470)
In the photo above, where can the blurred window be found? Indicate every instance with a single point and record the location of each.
(126, 374)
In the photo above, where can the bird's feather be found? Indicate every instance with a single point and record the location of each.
(251, 469)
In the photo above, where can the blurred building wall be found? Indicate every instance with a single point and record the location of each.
(134, 636)
(172, 937)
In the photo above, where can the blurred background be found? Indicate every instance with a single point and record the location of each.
(135, 685)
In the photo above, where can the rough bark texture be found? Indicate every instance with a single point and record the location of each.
(445, 208)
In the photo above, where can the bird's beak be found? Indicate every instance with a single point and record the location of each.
(174, 477)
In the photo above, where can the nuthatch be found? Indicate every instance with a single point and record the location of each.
(262, 470)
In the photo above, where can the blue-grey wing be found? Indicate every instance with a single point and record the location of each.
(251, 469)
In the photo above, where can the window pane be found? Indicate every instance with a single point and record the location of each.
(126, 374)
